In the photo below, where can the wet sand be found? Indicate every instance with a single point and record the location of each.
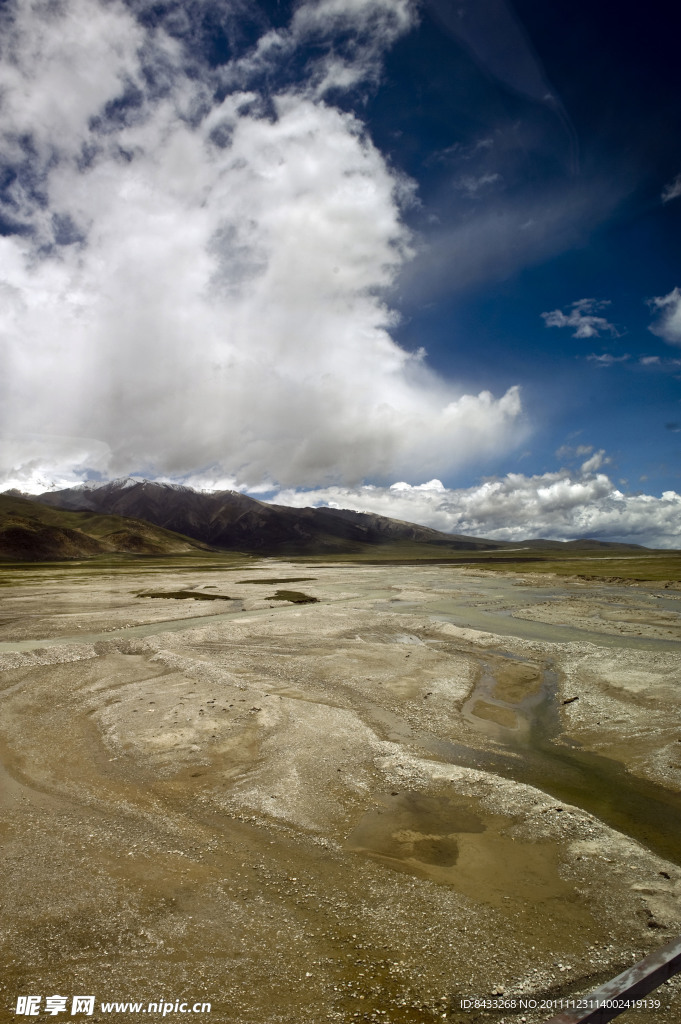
(364, 808)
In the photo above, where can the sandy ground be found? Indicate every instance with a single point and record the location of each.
(298, 812)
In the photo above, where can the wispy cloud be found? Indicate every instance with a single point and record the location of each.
(672, 190)
(472, 185)
(668, 323)
(516, 227)
(656, 362)
(583, 318)
(494, 34)
(567, 451)
(344, 42)
(606, 359)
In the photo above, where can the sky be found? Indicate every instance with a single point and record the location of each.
(415, 257)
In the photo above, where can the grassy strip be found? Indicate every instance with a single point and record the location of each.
(647, 567)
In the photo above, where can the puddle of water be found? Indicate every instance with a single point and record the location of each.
(443, 839)
(505, 697)
(415, 827)
(487, 711)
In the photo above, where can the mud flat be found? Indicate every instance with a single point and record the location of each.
(428, 784)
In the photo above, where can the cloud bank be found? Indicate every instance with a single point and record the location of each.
(195, 267)
(557, 506)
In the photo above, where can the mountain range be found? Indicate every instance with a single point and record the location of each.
(145, 517)
(228, 520)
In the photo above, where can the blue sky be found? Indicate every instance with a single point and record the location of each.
(589, 168)
(411, 256)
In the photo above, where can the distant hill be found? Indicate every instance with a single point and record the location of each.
(232, 521)
(33, 531)
(582, 545)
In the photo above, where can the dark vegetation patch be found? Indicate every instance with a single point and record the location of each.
(134, 542)
(294, 596)
(183, 595)
(290, 579)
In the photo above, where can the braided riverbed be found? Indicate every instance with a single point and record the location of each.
(431, 782)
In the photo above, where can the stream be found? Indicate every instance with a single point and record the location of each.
(536, 755)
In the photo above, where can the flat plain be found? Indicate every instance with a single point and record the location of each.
(333, 791)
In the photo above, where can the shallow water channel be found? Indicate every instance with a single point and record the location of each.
(533, 752)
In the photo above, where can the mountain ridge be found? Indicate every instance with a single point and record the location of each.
(229, 520)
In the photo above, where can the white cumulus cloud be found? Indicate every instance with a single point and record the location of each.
(196, 285)
(564, 505)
